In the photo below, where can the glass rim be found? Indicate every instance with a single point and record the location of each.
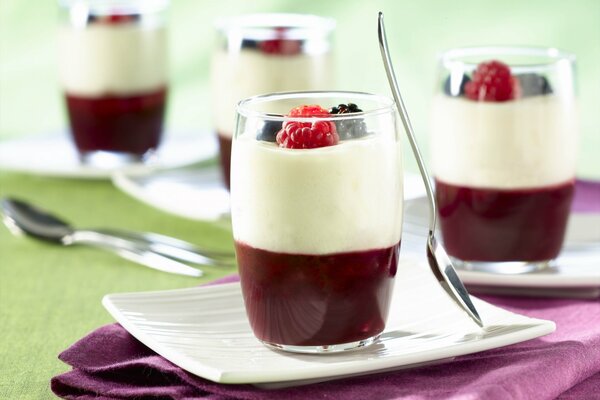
(452, 57)
(242, 107)
(262, 25)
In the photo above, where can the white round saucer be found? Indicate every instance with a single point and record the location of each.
(194, 193)
(55, 155)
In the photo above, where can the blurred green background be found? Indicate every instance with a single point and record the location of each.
(30, 101)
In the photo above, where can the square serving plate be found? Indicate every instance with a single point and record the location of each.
(204, 330)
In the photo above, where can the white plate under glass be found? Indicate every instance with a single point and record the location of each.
(204, 330)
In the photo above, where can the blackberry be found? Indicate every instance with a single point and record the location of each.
(534, 85)
(351, 128)
(268, 132)
(452, 88)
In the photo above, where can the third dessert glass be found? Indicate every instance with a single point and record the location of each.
(504, 143)
(266, 53)
(316, 207)
(112, 66)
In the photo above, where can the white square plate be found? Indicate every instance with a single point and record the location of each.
(204, 330)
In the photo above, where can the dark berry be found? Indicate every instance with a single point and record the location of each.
(351, 128)
(533, 85)
(492, 81)
(307, 135)
(249, 44)
(456, 87)
(268, 132)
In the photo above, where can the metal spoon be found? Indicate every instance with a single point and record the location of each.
(21, 217)
(438, 259)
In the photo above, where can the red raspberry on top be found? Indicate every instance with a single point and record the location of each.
(279, 45)
(492, 81)
(312, 110)
(115, 19)
(307, 135)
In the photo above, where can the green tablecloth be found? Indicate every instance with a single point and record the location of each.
(50, 296)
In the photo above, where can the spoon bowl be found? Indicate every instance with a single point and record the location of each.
(24, 218)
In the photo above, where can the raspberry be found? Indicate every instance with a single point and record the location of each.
(312, 110)
(115, 19)
(307, 135)
(279, 45)
(492, 81)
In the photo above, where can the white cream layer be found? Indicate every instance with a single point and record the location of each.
(530, 142)
(333, 199)
(239, 75)
(115, 59)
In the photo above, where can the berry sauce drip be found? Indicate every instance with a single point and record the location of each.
(492, 81)
(307, 135)
(352, 128)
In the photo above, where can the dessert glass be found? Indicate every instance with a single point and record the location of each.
(265, 53)
(505, 170)
(113, 70)
(317, 231)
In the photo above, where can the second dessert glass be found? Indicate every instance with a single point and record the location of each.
(504, 145)
(317, 230)
(266, 53)
(113, 69)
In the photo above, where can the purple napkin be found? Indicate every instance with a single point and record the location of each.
(109, 363)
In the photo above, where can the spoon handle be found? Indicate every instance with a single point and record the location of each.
(171, 247)
(438, 260)
(389, 70)
(132, 252)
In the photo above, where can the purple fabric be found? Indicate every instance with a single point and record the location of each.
(109, 363)
(587, 197)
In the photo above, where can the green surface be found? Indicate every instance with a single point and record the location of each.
(50, 296)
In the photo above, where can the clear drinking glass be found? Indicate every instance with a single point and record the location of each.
(504, 155)
(113, 70)
(317, 231)
(266, 53)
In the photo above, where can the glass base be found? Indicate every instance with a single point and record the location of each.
(334, 348)
(109, 159)
(504, 267)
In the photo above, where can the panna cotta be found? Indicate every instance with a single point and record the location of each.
(113, 70)
(504, 168)
(317, 232)
(265, 53)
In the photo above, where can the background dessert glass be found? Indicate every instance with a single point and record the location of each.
(266, 53)
(113, 69)
(317, 231)
(505, 170)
